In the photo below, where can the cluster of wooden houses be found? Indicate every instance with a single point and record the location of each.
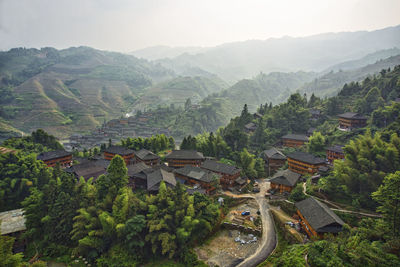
(146, 171)
(115, 129)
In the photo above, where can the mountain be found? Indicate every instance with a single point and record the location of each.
(330, 83)
(162, 51)
(366, 60)
(65, 90)
(178, 90)
(238, 60)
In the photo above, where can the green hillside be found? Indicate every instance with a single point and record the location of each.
(330, 83)
(178, 90)
(63, 91)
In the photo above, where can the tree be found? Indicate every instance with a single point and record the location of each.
(188, 104)
(388, 196)
(316, 143)
(8, 259)
(247, 162)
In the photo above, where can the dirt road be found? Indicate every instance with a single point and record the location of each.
(268, 240)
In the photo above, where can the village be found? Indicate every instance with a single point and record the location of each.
(244, 227)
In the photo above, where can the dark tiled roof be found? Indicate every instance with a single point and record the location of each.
(120, 150)
(336, 148)
(87, 170)
(286, 177)
(136, 168)
(185, 154)
(306, 157)
(352, 115)
(319, 216)
(145, 154)
(200, 190)
(299, 137)
(241, 181)
(53, 155)
(274, 153)
(215, 166)
(311, 130)
(315, 111)
(250, 126)
(196, 173)
(154, 179)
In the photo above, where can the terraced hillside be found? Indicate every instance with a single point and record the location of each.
(63, 91)
(178, 90)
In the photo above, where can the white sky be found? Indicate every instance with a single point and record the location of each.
(126, 25)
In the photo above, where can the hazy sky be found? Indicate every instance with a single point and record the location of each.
(126, 25)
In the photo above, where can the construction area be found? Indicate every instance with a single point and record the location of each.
(231, 245)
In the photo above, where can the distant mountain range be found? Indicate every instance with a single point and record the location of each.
(239, 60)
(76, 89)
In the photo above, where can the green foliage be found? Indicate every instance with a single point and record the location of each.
(156, 143)
(297, 193)
(38, 141)
(19, 173)
(388, 196)
(368, 160)
(316, 143)
(8, 259)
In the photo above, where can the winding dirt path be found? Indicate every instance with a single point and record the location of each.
(268, 239)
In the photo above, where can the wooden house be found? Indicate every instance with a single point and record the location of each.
(181, 158)
(137, 174)
(53, 157)
(274, 159)
(126, 153)
(284, 181)
(250, 127)
(195, 175)
(148, 157)
(89, 169)
(351, 120)
(317, 219)
(229, 174)
(155, 177)
(303, 163)
(334, 152)
(13, 225)
(315, 114)
(294, 140)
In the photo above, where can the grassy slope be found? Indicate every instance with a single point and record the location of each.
(73, 89)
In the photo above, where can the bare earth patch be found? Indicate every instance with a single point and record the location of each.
(224, 251)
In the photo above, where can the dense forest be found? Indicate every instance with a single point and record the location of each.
(107, 224)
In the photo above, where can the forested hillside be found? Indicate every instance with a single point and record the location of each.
(75, 88)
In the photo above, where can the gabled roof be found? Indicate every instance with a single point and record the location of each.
(12, 221)
(314, 111)
(321, 218)
(53, 155)
(120, 150)
(336, 148)
(274, 153)
(219, 167)
(306, 157)
(145, 154)
(196, 173)
(88, 169)
(286, 177)
(299, 137)
(154, 179)
(136, 168)
(250, 126)
(352, 115)
(185, 154)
